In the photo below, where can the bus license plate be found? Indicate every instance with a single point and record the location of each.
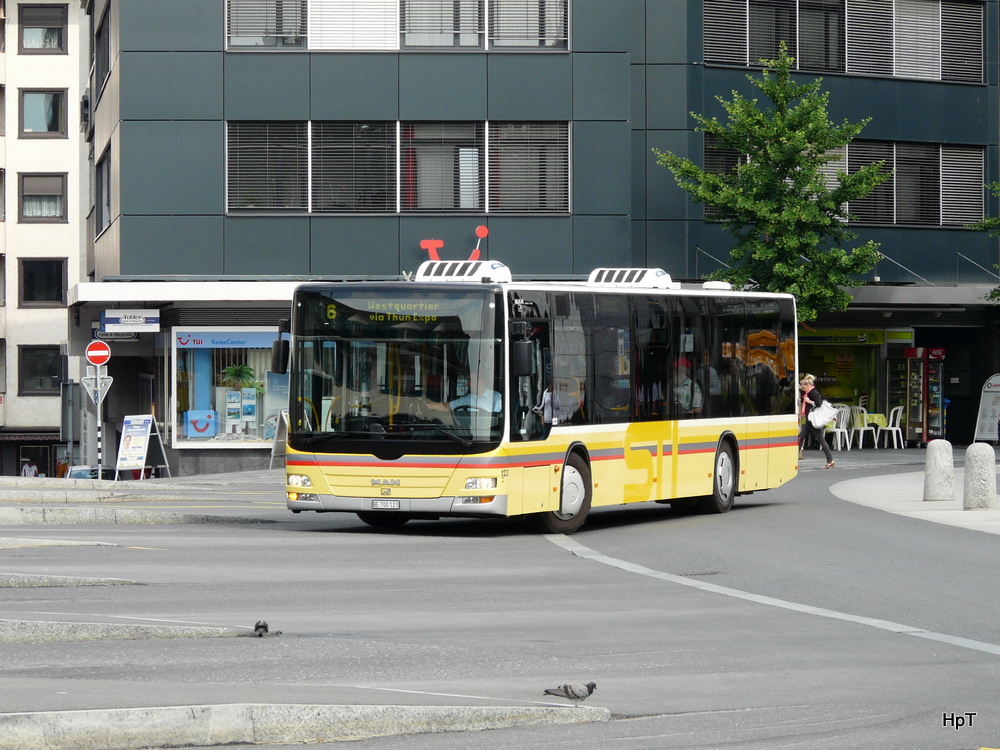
(385, 504)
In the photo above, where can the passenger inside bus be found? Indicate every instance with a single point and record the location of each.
(687, 392)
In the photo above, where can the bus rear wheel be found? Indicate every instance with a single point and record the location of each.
(383, 520)
(574, 499)
(723, 483)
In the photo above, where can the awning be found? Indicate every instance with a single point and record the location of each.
(25, 437)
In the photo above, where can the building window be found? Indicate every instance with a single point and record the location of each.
(267, 23)
(931, 39)
(390, 167)
(40, 370)
(539, 24)
(529, 166)
(930, 184)
(43, 29)
(268, 165)
(102, 204)
(43, 282)
(102, 50)
(224, 390)
(398, 24)
(42, 198)
(441, 166)
(354, 167)
(43, 113)
(441, 23)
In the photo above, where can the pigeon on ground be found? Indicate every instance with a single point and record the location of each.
(575, 691)
(260, 629)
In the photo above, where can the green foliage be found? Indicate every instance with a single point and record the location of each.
(241, 376)
(991, 225)
(789, 226)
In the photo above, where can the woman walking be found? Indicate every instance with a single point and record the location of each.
(811, 398)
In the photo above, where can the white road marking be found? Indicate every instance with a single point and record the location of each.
(893, 627)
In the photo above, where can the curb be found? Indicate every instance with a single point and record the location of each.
(111, 516)
(48, 631)
(240, 723)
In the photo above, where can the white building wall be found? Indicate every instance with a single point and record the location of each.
(20, 240)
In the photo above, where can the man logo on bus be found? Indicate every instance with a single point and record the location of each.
(432, 246)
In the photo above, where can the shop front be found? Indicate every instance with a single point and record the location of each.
(845, 363)
(224, 393)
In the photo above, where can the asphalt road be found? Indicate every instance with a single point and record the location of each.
(797, 620)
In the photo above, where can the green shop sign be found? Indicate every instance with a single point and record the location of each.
(844, 337)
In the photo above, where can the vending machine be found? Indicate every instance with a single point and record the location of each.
(924, 394)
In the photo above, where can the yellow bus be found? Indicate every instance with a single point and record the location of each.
(461, 392)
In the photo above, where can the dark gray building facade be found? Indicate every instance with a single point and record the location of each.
(270, 140)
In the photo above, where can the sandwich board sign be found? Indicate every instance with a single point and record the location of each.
(140, 446)
(989, 410)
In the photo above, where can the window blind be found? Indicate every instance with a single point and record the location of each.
(918, 38)
(267, 165)
(441, 166)
(962, 42)
(822, 40)
(877, 206)
(102, 204)
(102, 57)
(869, 37)
(353, 167)
(442, 23)
(720, 161)
(529, 23)
(266, 23)
(529, 166)
(772, 22)
(962, 191)
(918, 183)
(726, 31)
(353, 24)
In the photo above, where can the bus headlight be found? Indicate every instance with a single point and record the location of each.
(481, 483)
(298, 480)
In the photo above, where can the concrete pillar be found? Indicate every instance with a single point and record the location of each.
(939, 471)
(980, 477)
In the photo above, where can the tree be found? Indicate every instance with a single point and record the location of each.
(991, 225)
(789, 224)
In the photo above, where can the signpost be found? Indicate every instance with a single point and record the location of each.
(98, 353)
(97, 383)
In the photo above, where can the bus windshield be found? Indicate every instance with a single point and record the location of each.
(398, 369)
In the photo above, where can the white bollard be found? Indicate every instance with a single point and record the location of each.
(939, 472)
(980, 477)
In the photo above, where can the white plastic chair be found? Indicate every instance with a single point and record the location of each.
(840, 433)
(892, 428)
(859, 417)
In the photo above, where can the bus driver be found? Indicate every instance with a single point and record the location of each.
(479, 396)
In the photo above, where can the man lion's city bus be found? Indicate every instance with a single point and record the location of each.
(427, 398)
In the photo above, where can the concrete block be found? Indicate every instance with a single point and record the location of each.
(980, 477)
(939, 471)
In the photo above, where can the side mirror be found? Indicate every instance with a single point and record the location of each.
(522, 358)
(279, 356)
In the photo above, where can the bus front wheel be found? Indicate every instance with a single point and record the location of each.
(723, 482)
(383, 520)
(574, 499)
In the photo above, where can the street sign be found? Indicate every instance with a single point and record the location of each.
(96, 385)
(98, 353)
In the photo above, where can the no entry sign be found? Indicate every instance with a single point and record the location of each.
(98, 353)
